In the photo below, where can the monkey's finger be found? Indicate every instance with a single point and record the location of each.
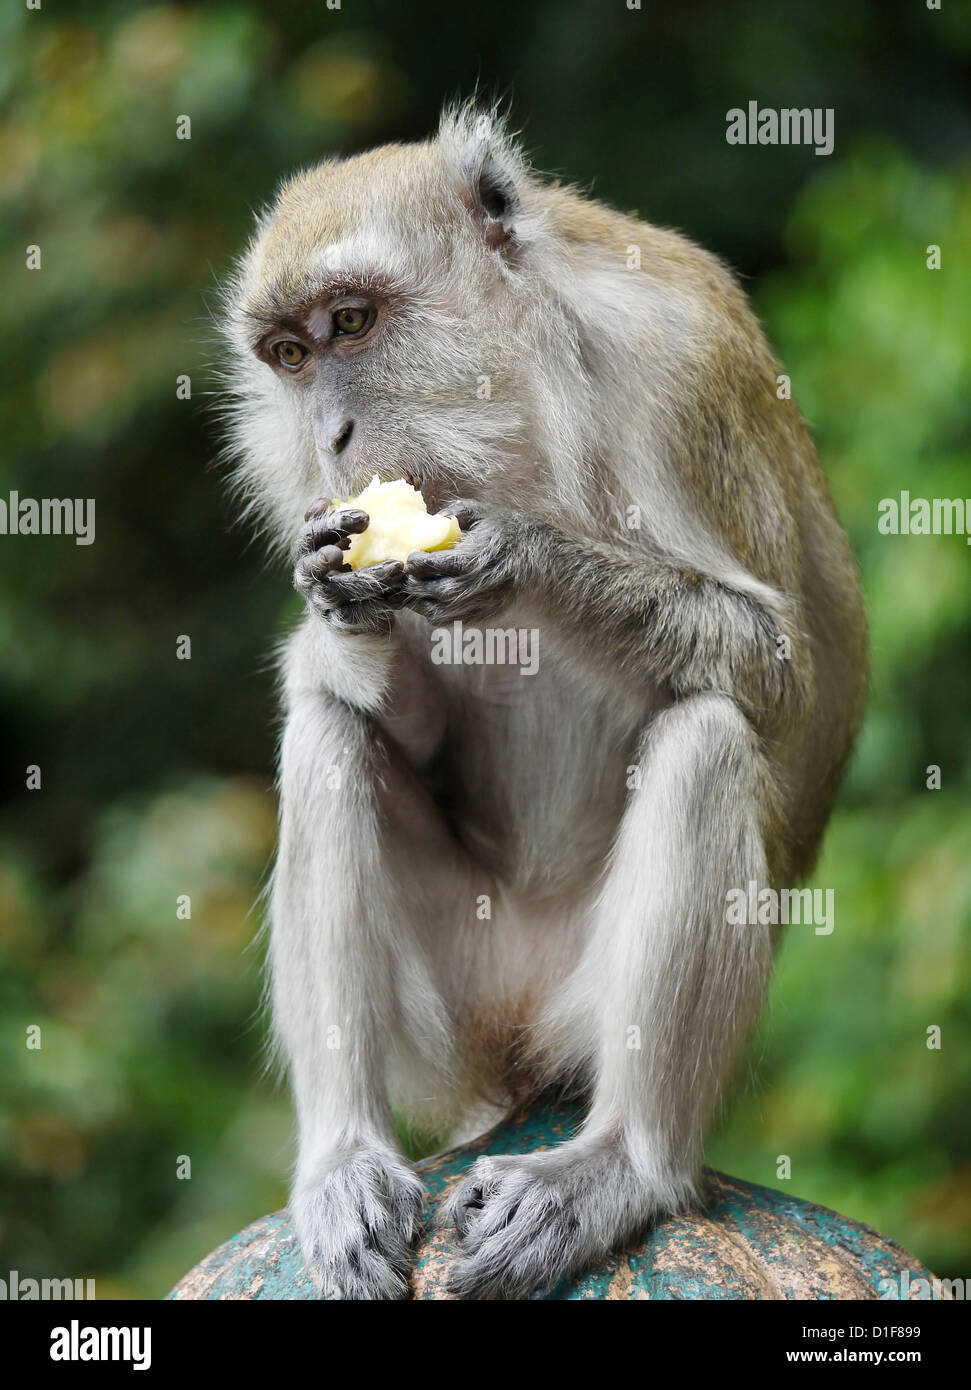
(326, 559)
(465, 513)
(375, 581)
(326, 507)
(426, 608)
(435, 597)
(319, 507)
(334, 528)
(372, 615)
(438, 564)
(388, 574)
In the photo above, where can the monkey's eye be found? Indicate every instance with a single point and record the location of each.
(351, 319)
(291, 354)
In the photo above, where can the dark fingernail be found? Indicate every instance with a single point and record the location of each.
(317, 509)
(329, 555)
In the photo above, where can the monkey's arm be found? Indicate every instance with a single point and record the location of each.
(682, 626)
(645, 612)
(346, 647)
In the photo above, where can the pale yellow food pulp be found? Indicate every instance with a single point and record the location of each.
(399, 524)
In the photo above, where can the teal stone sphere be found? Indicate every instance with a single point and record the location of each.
(747, 1242)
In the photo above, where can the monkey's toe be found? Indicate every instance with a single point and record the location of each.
(528, 1221)
(471, 1201)
(518, 1233)
(521, 1240)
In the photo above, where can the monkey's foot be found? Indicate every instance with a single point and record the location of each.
(747, 1242)
(526, 1221)
(357, 1220)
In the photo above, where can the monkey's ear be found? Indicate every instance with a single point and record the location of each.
(490, 194)
(485, 165)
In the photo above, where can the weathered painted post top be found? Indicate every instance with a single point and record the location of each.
(749, 1242)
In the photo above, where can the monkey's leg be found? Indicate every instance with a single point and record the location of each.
(350, 983)
(661, 1002)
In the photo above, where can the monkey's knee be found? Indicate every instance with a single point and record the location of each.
(705, 744)
(709, 797)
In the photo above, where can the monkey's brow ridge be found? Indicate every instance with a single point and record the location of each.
(289, 302)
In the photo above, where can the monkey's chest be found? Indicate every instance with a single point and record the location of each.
(534, 772)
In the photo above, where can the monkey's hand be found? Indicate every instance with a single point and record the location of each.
(348, 600)
(357, 1219)
(479, 576)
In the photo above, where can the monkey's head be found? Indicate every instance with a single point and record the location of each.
(391, 316)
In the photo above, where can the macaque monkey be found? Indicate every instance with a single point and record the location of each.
(493, 883)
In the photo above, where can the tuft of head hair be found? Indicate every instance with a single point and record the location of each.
(487, 166)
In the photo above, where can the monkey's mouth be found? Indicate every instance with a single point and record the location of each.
(433, 490)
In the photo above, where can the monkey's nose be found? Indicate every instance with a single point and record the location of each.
(342, 438)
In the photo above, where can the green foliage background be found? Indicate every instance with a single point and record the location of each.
(157, 773)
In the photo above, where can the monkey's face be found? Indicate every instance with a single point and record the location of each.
(383, 322)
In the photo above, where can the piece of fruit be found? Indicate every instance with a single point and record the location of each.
(399, 524)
